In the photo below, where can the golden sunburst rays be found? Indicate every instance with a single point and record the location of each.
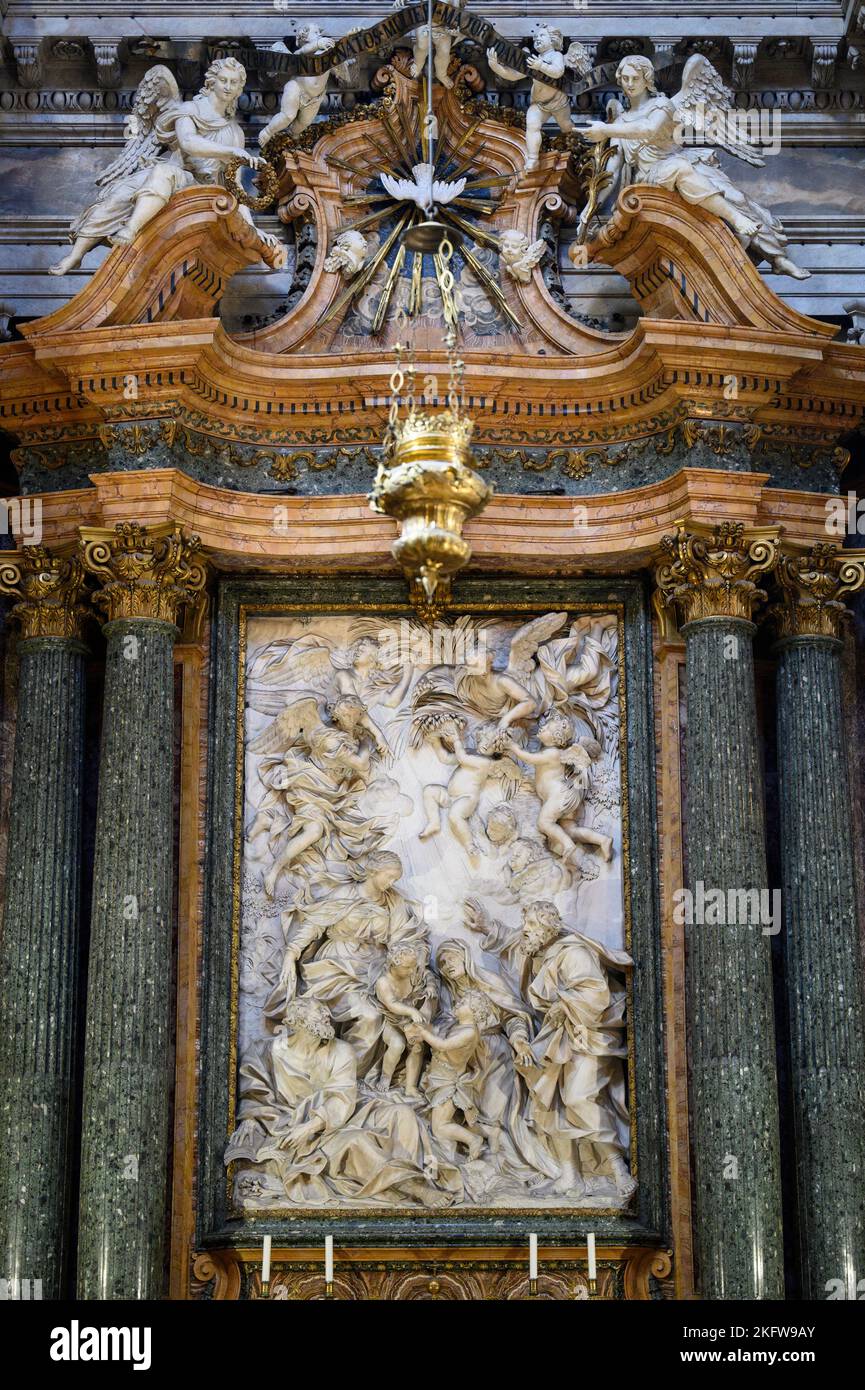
(407, 145)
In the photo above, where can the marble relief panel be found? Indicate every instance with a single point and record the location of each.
(433, 965)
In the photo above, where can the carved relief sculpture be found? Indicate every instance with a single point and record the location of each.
(432, 988)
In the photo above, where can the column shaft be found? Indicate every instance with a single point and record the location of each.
(39, 964)
(823, 967)
(734, 1104)
(127, 1081)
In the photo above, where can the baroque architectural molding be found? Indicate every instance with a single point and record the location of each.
(145, 572)
(638, 1273)
(49, 588)
(811, 585)
(711, 573)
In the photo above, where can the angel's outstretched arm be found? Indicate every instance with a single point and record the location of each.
(501, 69)
(652, 124)
(398, 695)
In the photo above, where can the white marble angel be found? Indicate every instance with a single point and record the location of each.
(302, 96)
(471, 774)
(519, 256)
(649, 137)
(170, 144)
(547, 103)
(367, 667)
(562, 768)
(508, 691)
(581, 675)
(313, 771)
(442, 40)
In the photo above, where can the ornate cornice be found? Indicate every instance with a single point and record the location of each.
(49, 588)
(710, 573)
(145, 573)
(810, 587)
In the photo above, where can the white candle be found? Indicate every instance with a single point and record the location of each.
(328, 1259)
(265, 1261)
(533, 1256)
(593, 1264)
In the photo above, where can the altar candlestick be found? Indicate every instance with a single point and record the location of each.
(593, 1264)
(265, 1267)
(533, 1264)
(328, 1263)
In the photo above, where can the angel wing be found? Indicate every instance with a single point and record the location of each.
(525, 643)
(299, 719)
(285, 661)
(157, 90)
(701, 104)
(577, 59)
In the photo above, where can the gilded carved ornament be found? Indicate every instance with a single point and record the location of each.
(810, 587)
(710, 572)
(145, 573)
(49, 589)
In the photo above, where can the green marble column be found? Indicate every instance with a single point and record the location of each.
(821, 937)
(731, 1034)
(127, 1079)
(39, 941)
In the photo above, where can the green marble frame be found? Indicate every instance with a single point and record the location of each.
(217, 1225)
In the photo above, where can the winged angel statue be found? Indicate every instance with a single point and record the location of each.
(647, 137)
(170, 144)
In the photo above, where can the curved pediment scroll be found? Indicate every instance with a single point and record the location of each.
(176, 269)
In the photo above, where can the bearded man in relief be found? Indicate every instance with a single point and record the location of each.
(573, 1066)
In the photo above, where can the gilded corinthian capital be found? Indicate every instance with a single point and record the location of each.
(49, 589)
(811, 585)
(145, 572)
(709, 572)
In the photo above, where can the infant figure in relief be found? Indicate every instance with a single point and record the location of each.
(449, 1079)
(462, 794)
(406, 990)
(561, 795)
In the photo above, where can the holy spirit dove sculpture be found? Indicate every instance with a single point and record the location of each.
(425, 190)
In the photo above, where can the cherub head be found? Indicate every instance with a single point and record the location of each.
(310, 1015)
(556, 732)
(542, 923)
(546, 38)
(636, 75)
(224, 82)
(308, 33)
(501, 825)
(523, 853)
(474, 1007)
